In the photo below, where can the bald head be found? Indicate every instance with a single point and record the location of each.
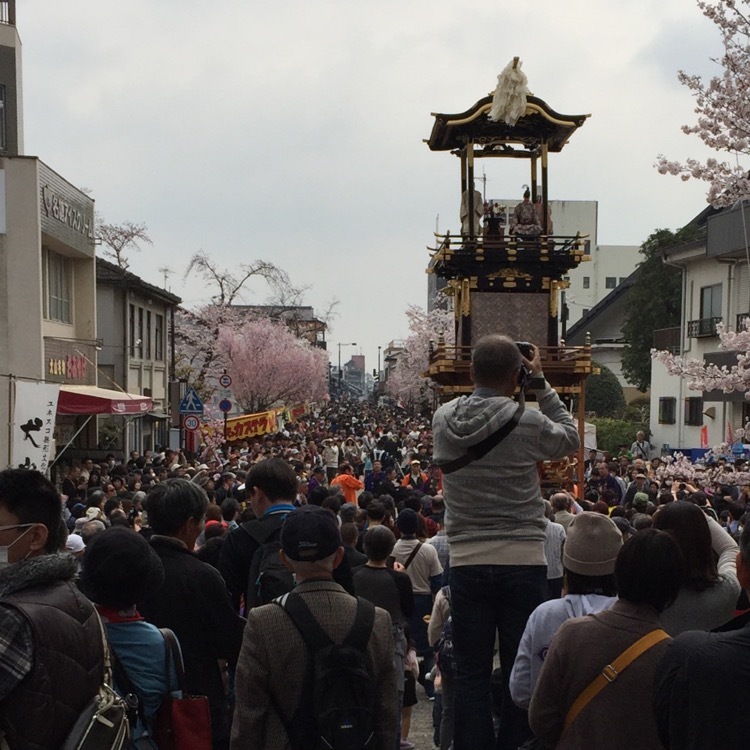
(495, 362)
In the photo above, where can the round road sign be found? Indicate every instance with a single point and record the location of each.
(192, 422)
(225, 381)
(225, 405)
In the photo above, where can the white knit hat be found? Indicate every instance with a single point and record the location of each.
(591, 545)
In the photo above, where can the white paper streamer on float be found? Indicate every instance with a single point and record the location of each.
(509, 100)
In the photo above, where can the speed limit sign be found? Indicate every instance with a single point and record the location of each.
(192, 422)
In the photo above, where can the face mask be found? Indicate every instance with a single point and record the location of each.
(4, 550)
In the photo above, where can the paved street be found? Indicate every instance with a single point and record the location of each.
(421, 723)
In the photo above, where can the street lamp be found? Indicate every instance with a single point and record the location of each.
(354, 343)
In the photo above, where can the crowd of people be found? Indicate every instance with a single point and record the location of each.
(601, 615)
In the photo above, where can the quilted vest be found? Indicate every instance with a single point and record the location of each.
(68, 666)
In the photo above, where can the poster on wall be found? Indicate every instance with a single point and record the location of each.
(34, 424)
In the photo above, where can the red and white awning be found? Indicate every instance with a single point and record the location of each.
(88, 399)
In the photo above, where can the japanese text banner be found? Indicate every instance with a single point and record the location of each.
(34, 424)
(251, 425)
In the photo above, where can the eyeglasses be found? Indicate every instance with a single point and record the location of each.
(17, 526)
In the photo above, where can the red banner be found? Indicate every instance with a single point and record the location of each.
(704, 436)
(295, 412)
(251, 425)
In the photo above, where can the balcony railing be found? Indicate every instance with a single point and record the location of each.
(703, 327)
(8, 12)
(667, 339)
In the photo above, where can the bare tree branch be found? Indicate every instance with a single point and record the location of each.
(120, 238)
(230, 286)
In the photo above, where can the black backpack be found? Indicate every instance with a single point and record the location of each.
(269, 578)
(340, 714)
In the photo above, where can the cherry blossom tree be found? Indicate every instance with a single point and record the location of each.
(212, 438)
(706, 472)
(702, 376)
(407, 382)
(723, 122)
(270, 366)
(199, 358)
(196, 333)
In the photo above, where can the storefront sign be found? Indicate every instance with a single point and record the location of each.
(73, 216)
(70, 367)
(69, 361)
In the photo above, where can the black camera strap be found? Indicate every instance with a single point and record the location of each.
(485, 446)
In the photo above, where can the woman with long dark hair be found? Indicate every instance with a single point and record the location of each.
(710, 588)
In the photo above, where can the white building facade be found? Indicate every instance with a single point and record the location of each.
(715, 288)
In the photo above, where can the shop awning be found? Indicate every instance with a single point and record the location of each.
(88, 399)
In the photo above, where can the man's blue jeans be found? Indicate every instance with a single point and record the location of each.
(485, 600)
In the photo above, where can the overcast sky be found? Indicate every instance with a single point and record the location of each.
(292, 131)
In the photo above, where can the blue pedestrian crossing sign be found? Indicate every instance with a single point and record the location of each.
(191, 404)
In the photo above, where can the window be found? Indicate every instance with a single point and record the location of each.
(148, 334)
(139, 342)
(623, 279)
(3, 129)
(694, 411)
(585, 311)
(159, 337)
(131, 330)
(711, 301)
(57, 278)
(610, 282)
(587, 282)
(667, 410)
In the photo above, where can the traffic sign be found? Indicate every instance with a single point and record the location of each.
(191, 404)
(192, 422)
(225, 405)
(225, 381)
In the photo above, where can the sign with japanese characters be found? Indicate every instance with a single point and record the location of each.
(68, 361)
(34, 424)
(251, 425)
(65, 212)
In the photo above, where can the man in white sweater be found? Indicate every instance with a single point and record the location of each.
(496, 527)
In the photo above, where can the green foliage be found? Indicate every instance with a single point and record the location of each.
(110, 434)
(604, 394)
(638, 411)
(612, 433)
(654, 302)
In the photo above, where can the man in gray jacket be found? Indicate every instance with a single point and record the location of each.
(496, 527)
(275, 686)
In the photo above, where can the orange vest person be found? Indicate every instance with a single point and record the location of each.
(349, 484)
(416, 477)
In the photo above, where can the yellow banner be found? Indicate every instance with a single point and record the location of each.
(251, 425)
